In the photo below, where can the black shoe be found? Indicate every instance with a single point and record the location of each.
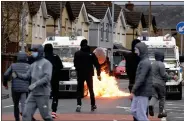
(161, 115)
(93, 108)
(78, 109)
(151, 111)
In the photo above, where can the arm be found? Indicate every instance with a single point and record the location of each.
(163, 72)
(59, 62)
(47, 74)
(75, 60)
(6, 75)
(141, 73)
(96, 64)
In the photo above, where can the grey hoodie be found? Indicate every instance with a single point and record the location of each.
(21, 66)
(143, 79)
(160, 76)
(40, 73)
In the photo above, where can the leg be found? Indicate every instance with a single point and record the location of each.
(134, 107)
(161, 96)
(16, 98)
(89, 81)
(80, 88)
(23, 100)
(153, 101)
(30, 108)
(142, 108)
(43, 106)
(55, 93)
(55, 100)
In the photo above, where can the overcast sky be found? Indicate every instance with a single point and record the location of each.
(152, 3)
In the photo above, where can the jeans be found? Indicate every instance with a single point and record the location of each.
(139, 108)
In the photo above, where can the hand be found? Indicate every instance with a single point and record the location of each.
(99, 78)
(175, 77)
(32, 86)
(131, 96)
(6, 87)
(14, 75)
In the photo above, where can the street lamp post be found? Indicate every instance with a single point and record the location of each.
(23, 26)
(112, 36)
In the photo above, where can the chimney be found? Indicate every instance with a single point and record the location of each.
(129, 6)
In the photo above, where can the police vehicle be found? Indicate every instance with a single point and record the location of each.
(167, 44)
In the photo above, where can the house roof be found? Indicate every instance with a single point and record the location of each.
(76, 7)
(53, 8)
(133, 18)
(34, 7)
(166, 16)
(117, 10)
(152, 20)
(98, 10)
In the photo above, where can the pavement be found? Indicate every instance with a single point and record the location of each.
(109, 109)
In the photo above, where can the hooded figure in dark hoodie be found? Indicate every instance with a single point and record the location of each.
(57, 66)
(160, 77)
(40, 74)
(84, 61)
(142, 88)
(132, 61)
(19, 86)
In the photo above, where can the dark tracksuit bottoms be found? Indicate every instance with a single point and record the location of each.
(80, 88)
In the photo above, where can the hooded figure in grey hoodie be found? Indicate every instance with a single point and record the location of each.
(160, 77)
(142, 88)
(19, 86)
(40, 73)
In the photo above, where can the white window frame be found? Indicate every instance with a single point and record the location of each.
(107, 32)
(102, 31)
(40, 29)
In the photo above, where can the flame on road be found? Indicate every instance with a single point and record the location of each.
(107, 87)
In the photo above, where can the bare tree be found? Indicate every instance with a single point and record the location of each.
(10, 22)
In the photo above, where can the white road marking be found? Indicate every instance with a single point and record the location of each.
(8, 106)
(174, 104)
(125, 108)
(180, 117)
(163, 119)
(174, 110)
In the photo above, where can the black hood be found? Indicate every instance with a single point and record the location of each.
(48, 49)
(85, 48)
(159, 56)
(143, 49)
(134, 42)
(39, 48)
(84, 42)
(22, 57)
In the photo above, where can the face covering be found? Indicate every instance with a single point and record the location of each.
(137, 51)
(35, 54)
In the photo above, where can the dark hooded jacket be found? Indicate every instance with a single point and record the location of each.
(143, 79)
(160, 75)
(56, 63)
(84, 61)
(132, 61)
(40, 73)
(21, 66)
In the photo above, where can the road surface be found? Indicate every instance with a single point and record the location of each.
(111, 109)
